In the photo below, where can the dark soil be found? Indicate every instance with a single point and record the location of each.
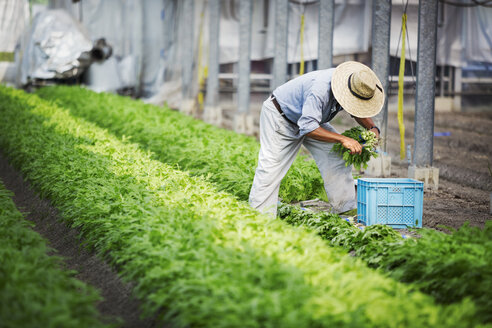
(118, 306)
(463, 158)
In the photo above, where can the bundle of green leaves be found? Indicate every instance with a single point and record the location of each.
(450, 267)
(198, 256)
(224, 157)
(367, 139)
(34, 290)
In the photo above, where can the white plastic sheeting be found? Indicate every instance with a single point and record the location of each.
(14, 18)
(121, 23)
(148, 33)
(464, 34)
(352, 29)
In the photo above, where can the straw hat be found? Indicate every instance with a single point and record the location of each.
(357, 89)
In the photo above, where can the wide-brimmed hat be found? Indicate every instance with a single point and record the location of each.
(357, 89)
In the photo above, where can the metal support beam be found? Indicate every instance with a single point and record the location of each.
(245, 11)
(280, 52)
(458, 87)
(325, 33)
(426, 83)
(138, 44)
(381, 23)
(187, 48)
(212, 97)
(441, 80)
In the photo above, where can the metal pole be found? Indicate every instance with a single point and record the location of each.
(280, 53)
(212, 96)
(441, 81)
(426, 84)
(138, 44)
(245, 11)
(458, 87)
(381, 23)
(187, 47)
(325, 33)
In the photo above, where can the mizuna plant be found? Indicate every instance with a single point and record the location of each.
(199, 257)
(34, 290)
(368, 141)
(450, 267)
(224, 157)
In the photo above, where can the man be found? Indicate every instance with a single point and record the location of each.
(297, 113)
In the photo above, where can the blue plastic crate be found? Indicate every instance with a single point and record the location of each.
(394, 202)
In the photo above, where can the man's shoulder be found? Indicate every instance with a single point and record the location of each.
(324, 73)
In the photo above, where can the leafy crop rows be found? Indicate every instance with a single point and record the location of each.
(199, 257)
(34, 290)
(450, 267)
(226, 158)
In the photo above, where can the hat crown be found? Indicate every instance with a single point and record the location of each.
(363, 83)
(357, 89)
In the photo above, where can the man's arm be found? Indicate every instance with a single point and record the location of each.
(367, 123)
(328, 136)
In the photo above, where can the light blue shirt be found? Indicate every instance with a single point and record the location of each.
(308, 101)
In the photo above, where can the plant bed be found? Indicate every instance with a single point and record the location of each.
(34, 290)
(224, 157)
(450, 267)
(198, 256)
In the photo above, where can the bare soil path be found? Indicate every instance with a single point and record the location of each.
(118, 305)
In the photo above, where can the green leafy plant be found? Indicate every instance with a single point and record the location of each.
(197, 256)
(367, 139)
(224, 157)
(34, 290)
(450, 267)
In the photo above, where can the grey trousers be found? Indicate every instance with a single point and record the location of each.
(280, 143)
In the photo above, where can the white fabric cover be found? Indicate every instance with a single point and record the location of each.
(149, 32)
(14, 20)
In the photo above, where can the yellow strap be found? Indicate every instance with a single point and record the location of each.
(301, 68)
(201, 83)
(400, 87)
(202, 71)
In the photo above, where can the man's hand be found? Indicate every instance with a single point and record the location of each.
(376, 131)
(328, 136)
(352, 145)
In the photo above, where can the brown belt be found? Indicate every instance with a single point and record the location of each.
(277, 105)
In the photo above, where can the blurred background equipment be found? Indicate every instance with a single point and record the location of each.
(57, 47)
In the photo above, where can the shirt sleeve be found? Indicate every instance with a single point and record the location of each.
(312, 109)
(311, 115)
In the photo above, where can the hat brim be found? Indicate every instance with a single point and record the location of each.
(351, 104)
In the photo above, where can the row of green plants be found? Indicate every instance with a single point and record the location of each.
(449, 266)
(128, 117)
(34, 289)
(197, 256)
(224, 157)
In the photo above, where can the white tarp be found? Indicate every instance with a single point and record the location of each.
(149, 33)
(352, 30)
(464, 34)
(55, 44)
(14, 19)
